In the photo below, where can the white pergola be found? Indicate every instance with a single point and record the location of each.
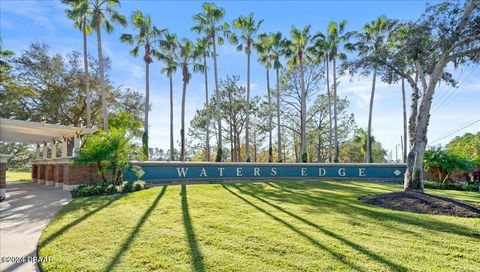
(29, 132)
(40, 134)
(37, 133)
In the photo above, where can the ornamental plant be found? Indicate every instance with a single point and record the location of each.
(111, 151)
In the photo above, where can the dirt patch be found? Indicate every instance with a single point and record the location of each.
(422, 203)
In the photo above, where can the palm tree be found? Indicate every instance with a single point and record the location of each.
(209, 23)
(336, 36)
(203, 49)
(264, 47)
(147, 35)
(168, 54)
(321, 51)
(103, 13)
(278, 45)
(79, 13)
(360, 138)
(372, 41)
(187, 56)
(248, 27)
(297, 53)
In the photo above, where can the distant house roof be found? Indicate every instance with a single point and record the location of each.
(12, 130)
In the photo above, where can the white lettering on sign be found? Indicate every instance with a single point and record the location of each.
(273, 171)
(256, 172)
(239, 172)
(220, 170)
(341, 172)
(361, 172)
(182, 172)
(321, 172)
(304, 172)
(203, 173)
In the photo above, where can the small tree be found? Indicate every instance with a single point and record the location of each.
(446, 163)
(110, 151)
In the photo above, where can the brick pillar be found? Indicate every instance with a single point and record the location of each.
(41, 172)
(59, 175)
(34, 173)
(50, 169)
(3, 169)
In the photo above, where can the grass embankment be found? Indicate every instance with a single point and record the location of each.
(281, 226)
(18, 174)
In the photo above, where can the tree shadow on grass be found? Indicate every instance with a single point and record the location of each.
(338, 256)
(195, 252)
(298, 194)
(135, 231)
(359, 248)
(59, 232)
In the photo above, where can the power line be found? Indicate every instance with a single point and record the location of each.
(454, 91)
(464, 126)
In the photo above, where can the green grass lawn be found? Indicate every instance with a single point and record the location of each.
(281, 226)
(18, 175)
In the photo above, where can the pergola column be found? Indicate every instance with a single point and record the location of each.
(60, 165)
(64, 147)
(76, 145)
(50, 166)
(42, 165)
(3, 169)
(35, 164)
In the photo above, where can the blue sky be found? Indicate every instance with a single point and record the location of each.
(23, 22)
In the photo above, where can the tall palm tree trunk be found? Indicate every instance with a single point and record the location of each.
(87, 78)
(217, 106)
(270, 145)
(303, 150)
(147, 109)
(102, 78)
(329, 95)
(182, 130)
(247, 118)
(319, 147)
(404, 122)
(335, 128)
(370, 113)
(232, 148)
(279, 134)
(171, 119)
(207, 123)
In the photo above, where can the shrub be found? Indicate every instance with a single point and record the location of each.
(132, 186)
(127, 187)
(138, 186)
(447, 163)
(94, 189)
(450, 186)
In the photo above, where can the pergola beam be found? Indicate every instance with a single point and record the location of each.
(34, 132)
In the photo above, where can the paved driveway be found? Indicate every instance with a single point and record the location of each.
(23, 216)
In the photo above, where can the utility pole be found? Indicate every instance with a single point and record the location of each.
(396, 153)
(403, 149)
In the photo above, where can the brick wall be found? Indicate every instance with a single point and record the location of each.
(41, 173)
(34, 172)
(3, 169)
(58, 173)
(49, 172)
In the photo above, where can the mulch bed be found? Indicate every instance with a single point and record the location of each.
(422, 203)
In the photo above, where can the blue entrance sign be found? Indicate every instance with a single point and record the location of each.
(203, 171)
